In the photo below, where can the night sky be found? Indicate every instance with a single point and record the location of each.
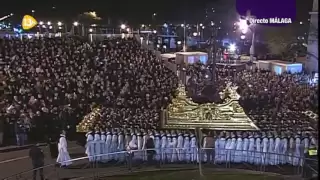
(133, 11)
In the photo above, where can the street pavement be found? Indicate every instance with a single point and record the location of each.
(18, 161)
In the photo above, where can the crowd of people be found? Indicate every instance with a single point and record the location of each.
(51, 83)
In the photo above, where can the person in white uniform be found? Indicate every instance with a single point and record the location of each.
(163, 146)
(228, 147)
(257, 152)
(186, 147)
(121, 147)
(277, 149)
(97, 146)
(245, 148)
(283, 149)
(264, 146)
(291, 149)
(297, 150)
(90, 147)
(233, 146)
(157, 146)
(103, 146)
(174, 157)
(63, 157)
(108, 145)
(251, 150)
(180, 147)
(194, 149)
(239, 145)
(114, 145)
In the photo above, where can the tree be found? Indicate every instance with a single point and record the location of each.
(279, 39)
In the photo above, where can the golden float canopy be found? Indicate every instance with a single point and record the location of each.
(89, 120)
(183, 113)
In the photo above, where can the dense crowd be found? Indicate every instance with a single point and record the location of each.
(53, 82)
(61, 77)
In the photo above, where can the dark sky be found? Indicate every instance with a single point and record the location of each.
(123, 9)
(133, 11)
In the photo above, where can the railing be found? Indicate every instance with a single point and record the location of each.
(94, 167)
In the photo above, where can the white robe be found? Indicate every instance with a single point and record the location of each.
(251, 150)
(233, 148)
(291, 150)
(220, 144)
(174, 157)
(169, 148)
(238, 154)
(245, 149)
(114, 147)
(97, 147)
(63, 157)
(144, 152)
(297, 152)
(90, 147)
(271, 160)
(157, 146)
(180, 147)
(194, 150)
(121, 148)
(228, 150)
(257, 152)
(265, 155)
(163, 148)
(284, 151)
(108, 146)
(103, 147)
(186, 147)
(277, 151)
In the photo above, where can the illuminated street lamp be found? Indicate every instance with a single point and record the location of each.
(75, 23)
(59, 23)
(41, 23)
(123, 26)
(49, 23)
(90, 30)
(195, 34)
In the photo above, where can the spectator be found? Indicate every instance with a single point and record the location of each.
(37, 158)
(150, 151)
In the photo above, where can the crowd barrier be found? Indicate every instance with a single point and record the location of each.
(124, 162)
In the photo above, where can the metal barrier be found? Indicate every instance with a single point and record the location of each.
(123, 162)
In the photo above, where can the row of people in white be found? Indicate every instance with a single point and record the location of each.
(267, 150)
(255, 149)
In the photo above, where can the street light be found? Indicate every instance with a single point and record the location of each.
(195, 34)
(41, 23)
(75, 23)
(90, 30)
(59, 23)
(49, 23)
(244, 26)
(123, 26)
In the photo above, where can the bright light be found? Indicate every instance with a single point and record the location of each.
(203, 27)
(75, 23)
(212, 23)
(242, 36)
(50, 27)
(59, 23)
(243, 24)
(43, 26)
(49, 23)
(206, 76)
(195, 34)
(141, 38)
(165, 25)
(158, 45)
(301, 22)
(182, 25)
(179, 42)
(164, 46)
(154, 14)
(41, 23)
(143, 25)
(232, 47)
(59, 27)
(90, 30)
(154, 31)
(200, 24)
(123, 26)
(128, 29)
(32, 11)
